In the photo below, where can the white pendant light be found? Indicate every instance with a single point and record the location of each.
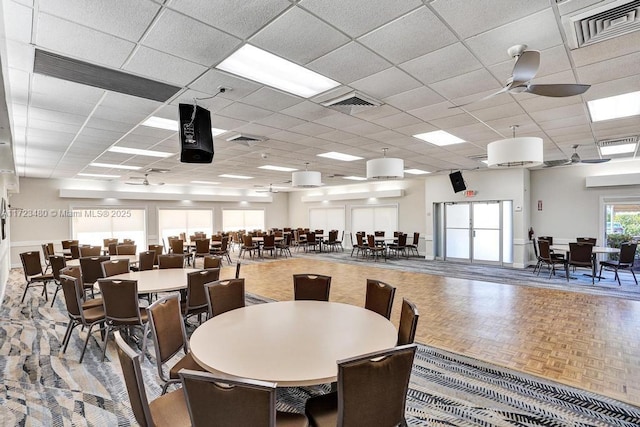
(385, 168)
(524, 152)
(306, 178)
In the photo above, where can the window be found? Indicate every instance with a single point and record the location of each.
(326, 219)
(375, 218)
(91, 226)
(242, 219)
(172, 222)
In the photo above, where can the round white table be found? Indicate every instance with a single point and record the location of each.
(292, 343)
(158, 280)
(133, 259)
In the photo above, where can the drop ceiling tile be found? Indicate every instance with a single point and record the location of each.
(505, 110)
(307, 110)
(615, 68)
(613, 87)
(415, 98)
(450, 61)
(349, 63)
(192, 40)
(386, 83)
(568, 130)
(213, 79)
(20, 84)
(101, 123)
(337, 136)
(376, 113)
(466, 84)
(271, 99)
(188, 96)
(340, 121)
(227, 123)
(121, 18)
(553, 114)
(416, 129)
(538, 31)
(64, 105)
(244, 112)
(537, 103)
(563, 122)
(80, 42)
(241, 19)
(20, 56)
(311, 129)
(357, 17)
(607, 49)
(412, 35)
(57, 88)
(468, 19)
(398, 120)
(161, 66)
(257, 129)
(307, 37)
(18, 28)
(280, 121)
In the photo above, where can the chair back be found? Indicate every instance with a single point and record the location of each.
(416, 238)
(627, 253)
(114, 266)
(130, 364)
(203, 246)
(112, 248)
(378, 233)
(170, 261)
(371, 240)
(107, 242)
(372, 388)
(311, 237)
(247, 241)
(120, 299)
(74, 271)
(314, 287)
(580, 253)
(196, 301)
(72, 298)
(408, 323)
(230, 401)
(224, 244)
(177, 246)
(146, 260)
(547, 238)
(269, 241)
(212, 261)
(92, 268)
(402, 240)
(57, 263)
(589, 240)
(167, 328)
(379, 297)
(158, 249)
(126, 249)
(90, 250)
(75, 251)
(66, 244)
(360, 240)
(31, 264)
(45, 251)
(543, 247)
(224, 295)
(333, 236)
(535, 248)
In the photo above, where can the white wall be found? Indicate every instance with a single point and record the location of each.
(411, 212)
(4, 244)
(498, 184)
(29, 233)
(571, 210)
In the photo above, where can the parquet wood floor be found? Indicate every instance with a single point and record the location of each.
(586, 341)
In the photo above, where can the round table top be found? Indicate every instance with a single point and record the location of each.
(595, 250)
(133, 259)
(292, 343)
(158, 280)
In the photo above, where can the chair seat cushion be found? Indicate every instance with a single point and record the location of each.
(289, 419)
(323, 410)
(93, 302)
(187, 362)
(170, 410)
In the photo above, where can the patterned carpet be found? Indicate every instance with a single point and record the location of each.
(42, 386)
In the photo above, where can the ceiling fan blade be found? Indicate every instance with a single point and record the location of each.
(134, 183)
(504, 89)
(526, 66)
(557, 90)
(594, 161)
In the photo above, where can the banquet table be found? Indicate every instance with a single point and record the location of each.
(133, 259)
(158, 280)
(292, 343)
(597, 250)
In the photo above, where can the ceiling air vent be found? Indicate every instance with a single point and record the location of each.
(352, 103)
(603, 23)
(62, 67)
(618, 141)
(244, 139)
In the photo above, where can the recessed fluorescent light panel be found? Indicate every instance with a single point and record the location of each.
(439, 138)
(98, 175)
(269, 69)
(226, 175)
(109, 165)
(355, 178)
(415, 171)
(168, 124)
(615, 107)
(277, 168)
(205, 182)
(617, 149)
(139, 152)
(339, 156)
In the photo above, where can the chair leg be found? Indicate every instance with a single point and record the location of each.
(67, 335)
(55, 294)
(600, 273)
(25, 292)
(86, 341)
(106, 340)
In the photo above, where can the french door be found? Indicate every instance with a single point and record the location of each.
(478, 232)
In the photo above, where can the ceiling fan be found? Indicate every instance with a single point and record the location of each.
(525, 69)
(574, 159)
(145, 180)
(269, 190)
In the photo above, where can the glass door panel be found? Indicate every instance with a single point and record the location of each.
(486, 232)
(457, 231)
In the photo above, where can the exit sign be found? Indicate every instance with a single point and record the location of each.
(470, 193)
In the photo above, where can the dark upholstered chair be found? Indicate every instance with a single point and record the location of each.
(224, 295)
(589, 240)
(57, 263)
(548, 259)
(233, 401)
(203, 246)
(168, 410)
(169, 338)
(223, 249)
(90, 251)
(371, 391)
(624, 262)
(581, 255)
(32, 269)
(158, 249)
(121, 308)
(79, 315)
(413, 246)
(212, 261)
(171, 261)
(379, 297)
(146, 260)
(196, 300)
(376, 250)
(114, 266)
(311, 287)
(126, 249)
(408, 323)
